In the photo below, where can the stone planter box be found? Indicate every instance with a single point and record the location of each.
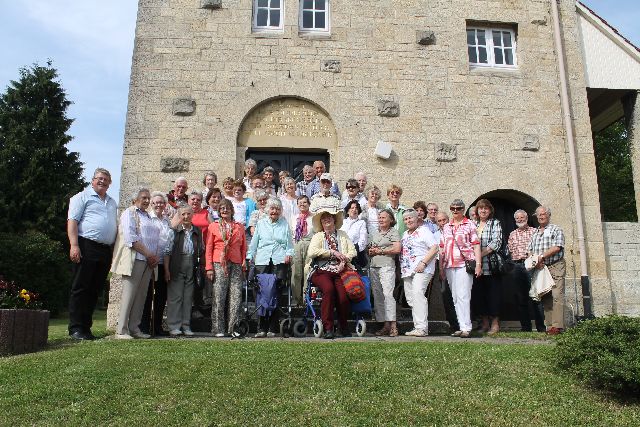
(23, 331)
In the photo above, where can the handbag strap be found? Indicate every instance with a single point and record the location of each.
(456, 242)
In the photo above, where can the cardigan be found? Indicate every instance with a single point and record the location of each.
(317, 248)
(237, 249)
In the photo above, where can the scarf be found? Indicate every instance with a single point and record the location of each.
(301, 226)
(226, 232)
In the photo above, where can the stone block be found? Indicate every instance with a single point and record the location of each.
(174, 164)
(211, 4)
(184, 107)
(388, 108)
(446, 152)
(331, 66)
(531, 143)
(425, 37)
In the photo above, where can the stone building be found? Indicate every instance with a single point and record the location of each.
(467, 93)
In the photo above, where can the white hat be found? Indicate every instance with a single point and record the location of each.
(336, 213)
(326, 177)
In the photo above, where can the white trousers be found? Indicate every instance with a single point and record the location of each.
(461, 282)
(383, 281)
(414, 289)
(134, 294)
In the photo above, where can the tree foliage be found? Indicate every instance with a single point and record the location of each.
(38, 173)
(615, 174)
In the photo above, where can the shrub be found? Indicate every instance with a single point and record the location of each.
(603, 352)
(37, 263)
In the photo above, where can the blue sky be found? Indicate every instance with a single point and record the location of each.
(91, 42)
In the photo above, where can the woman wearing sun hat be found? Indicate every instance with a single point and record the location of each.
(333, 251)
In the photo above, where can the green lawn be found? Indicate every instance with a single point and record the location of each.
(254, 382)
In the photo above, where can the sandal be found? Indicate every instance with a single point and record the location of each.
(393, 332)
(383, 332)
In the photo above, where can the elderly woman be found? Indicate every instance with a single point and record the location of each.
(157, 293)
(373, 207)
(302, 234)
(225, 260)
(487, 290)
(417, 265)
(269, 174)
(352, 192)
(459, 243)
(356, 229)
(184, 252)
(227, 187)
(282, 175)
(210, 181)
(394, 193)
(213, 201)
(289, 201)
(271, 250)
(139, 232)
(250, 169)
(260, 211)
(384, 246)
(332, 249)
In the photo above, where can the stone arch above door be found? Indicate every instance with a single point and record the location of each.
(287, 122)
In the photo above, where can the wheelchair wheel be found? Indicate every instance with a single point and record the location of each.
(300, 328)
(240, 329)
(361, 328)
(285, 328)
(317, 328)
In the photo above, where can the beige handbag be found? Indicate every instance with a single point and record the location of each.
(124, 257)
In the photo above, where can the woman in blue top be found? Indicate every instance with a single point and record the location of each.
(271, 250)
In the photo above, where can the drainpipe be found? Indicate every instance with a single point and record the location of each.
(575, 183)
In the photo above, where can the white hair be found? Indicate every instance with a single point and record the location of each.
(412, 213)
(520, 211)
(180, 178)
(360, 174)
(546, 209)
(159, 194)
(273, 202)
(251, 162)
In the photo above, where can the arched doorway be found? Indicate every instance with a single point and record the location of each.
(506, 202)
(287, 133)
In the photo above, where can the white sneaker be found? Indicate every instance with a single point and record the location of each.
(416, 333)
(175, 332)
(271, 334)
(187, 332)
(123, 337)
(219, 335)
(260, 334)
(141, 335)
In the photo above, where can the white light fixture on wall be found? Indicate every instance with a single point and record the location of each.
(383, 150)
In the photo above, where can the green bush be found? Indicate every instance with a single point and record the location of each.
(41, 265)
(603, 352)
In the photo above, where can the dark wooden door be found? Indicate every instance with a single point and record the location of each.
(289, 161)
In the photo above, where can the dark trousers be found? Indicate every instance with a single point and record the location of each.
(270, 322)
(447, 302)
(89, 276)
(486, 295)
(522, 283)
(159, 297)
(333, 294)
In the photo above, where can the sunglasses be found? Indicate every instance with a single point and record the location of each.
(456, 208)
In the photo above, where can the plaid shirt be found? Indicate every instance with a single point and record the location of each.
(518, 242)
(542, 241)
(491, 237)
(301, 188)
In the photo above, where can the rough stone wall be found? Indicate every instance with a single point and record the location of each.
(460, 132)
(622, 248)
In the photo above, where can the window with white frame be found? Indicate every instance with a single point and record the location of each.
(268, 15)
(314, 16)
(491, 47)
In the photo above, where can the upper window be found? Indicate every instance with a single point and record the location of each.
(267, 15)
(491, 47)
(314, 16)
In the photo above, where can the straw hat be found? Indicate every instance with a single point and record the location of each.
(335, 212)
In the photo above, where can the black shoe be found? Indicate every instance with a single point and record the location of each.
(162, 333)
(346, 334)
(328, 335)
(81, 336)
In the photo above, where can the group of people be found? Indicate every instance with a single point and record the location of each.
(191, 250)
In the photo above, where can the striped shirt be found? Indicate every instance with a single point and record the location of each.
(543, 240)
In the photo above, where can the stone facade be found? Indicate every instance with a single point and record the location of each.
(622, 245)
(457, 131)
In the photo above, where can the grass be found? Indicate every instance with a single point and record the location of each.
(267, 382)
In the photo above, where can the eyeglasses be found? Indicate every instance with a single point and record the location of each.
(394, 192)
(456, 208)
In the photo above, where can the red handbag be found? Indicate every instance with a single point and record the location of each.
(353, 285)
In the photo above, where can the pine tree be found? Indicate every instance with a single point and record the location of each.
(38, 173)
